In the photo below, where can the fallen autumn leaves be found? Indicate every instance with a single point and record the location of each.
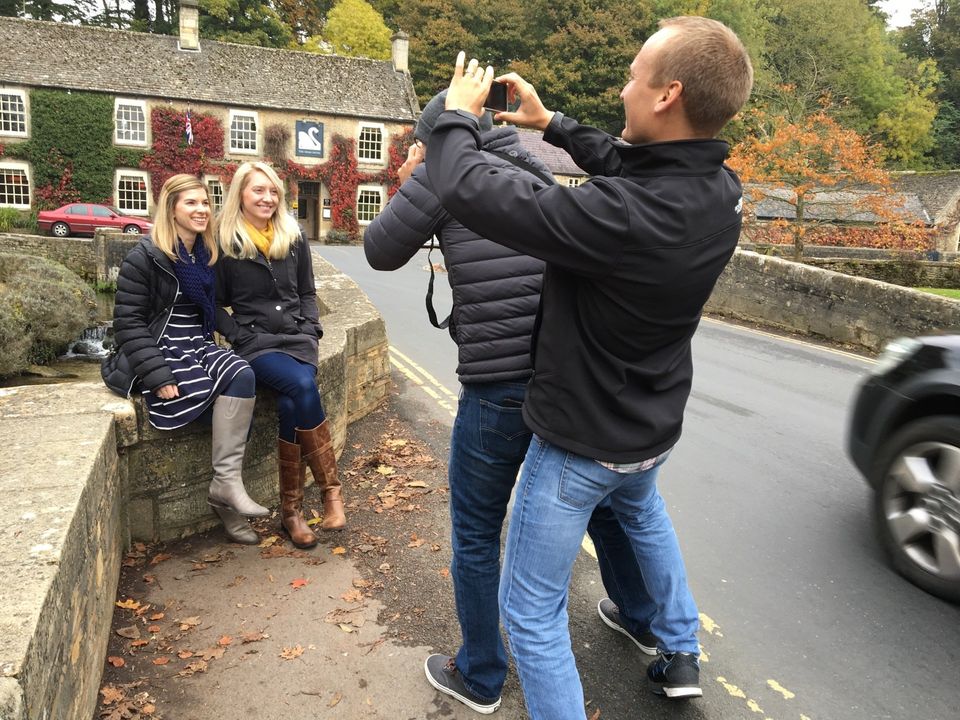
(157, 646)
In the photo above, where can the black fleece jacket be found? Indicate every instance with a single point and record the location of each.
(632, 256)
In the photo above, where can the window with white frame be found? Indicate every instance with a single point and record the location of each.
(131, 192)
(574, 181)
(130, 122)
(370, 143)
(13, 113)
(369, 203)
(215, 190)
(14, 185)
(243, 132)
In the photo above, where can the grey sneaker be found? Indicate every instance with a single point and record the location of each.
(441, 672)
(610, 614)
(676, 675)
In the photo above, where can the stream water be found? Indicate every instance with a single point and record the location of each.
(81, 362)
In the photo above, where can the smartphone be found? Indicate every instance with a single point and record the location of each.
(497, 97)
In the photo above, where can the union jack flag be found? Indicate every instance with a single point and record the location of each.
(188, 130)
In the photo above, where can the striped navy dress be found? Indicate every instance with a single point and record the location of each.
(202, 369)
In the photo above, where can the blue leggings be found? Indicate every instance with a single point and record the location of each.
(243, 385)
(298, 398)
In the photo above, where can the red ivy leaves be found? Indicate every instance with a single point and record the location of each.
(342, 177)
(170, 153)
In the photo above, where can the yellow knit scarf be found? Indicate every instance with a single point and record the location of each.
(263, 240)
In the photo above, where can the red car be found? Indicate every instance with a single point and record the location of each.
(79, 218)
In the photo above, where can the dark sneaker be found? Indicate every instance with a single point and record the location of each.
(610, 614)
(676, 675)
(442, 673)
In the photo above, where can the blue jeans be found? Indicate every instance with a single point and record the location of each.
(298, 398)
(619, 570)
(487, 447)
(556, 495)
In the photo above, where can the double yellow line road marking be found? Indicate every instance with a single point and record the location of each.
(436, 390)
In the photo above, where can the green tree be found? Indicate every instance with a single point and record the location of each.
(354, 28)
(934, 34)
(250, 22)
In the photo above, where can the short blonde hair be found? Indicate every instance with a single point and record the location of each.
(231, 231)
(713, 66)
(164, 233)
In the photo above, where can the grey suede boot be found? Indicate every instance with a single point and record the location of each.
(231, 423)
(237, 527)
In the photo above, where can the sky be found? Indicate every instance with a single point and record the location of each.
(899, 11)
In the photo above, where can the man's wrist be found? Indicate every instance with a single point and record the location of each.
(469, 115)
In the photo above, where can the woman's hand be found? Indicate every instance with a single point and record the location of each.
(167, 392)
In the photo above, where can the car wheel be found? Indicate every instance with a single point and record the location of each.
(60, 229)
(917, 504)
(132, 229)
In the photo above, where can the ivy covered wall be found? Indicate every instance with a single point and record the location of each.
(71, 148)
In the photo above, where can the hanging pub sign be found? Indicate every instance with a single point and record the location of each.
(309, 138)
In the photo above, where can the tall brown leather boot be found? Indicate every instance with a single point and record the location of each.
(291, 495)
(316, 450)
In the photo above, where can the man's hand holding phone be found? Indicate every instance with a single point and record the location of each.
(471, 86)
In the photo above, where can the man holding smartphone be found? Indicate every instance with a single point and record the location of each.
(631, 258)
(496, 293)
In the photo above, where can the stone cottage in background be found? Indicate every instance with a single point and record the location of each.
(151, 105)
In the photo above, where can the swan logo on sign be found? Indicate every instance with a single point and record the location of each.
(309, 138)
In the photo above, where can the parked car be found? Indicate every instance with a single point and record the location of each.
(84, 218)
(904, 437)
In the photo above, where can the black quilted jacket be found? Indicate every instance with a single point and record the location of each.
(496, 290)
(146, 291)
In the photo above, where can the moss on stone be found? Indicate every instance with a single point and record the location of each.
(43, 308)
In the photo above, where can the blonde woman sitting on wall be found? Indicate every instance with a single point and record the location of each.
(266, 279)
(163, 320)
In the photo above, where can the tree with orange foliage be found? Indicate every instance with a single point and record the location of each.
(815, 164)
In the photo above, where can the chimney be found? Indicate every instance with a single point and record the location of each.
(189, 25)
(399, 50)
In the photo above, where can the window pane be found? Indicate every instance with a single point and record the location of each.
(215, 188)
(13, 114)
(100, 211)
(370, 145)
(132, 194)
(243, 133)
(368, 205)
(77, 210)
(14, 187)
(131, 124)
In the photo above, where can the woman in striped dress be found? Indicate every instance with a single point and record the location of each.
(163, 321)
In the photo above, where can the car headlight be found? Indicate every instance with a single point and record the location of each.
(894, 354)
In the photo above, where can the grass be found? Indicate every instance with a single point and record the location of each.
(945, 292)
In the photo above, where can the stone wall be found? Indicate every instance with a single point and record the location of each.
(855, 311)
(77, 254)
(82, 473)
(61, 542)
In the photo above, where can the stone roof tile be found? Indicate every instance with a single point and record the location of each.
(121, 62)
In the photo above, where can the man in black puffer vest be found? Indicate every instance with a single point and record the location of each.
(496, 293)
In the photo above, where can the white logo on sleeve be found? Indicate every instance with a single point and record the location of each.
(739, 208)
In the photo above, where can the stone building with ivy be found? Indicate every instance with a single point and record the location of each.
(99, 115)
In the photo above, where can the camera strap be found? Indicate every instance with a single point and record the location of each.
(431, 312)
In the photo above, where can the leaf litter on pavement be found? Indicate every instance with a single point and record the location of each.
(385, 480)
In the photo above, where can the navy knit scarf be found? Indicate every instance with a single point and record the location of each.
(196, 281)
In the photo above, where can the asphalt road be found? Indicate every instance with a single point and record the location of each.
(801, 617)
